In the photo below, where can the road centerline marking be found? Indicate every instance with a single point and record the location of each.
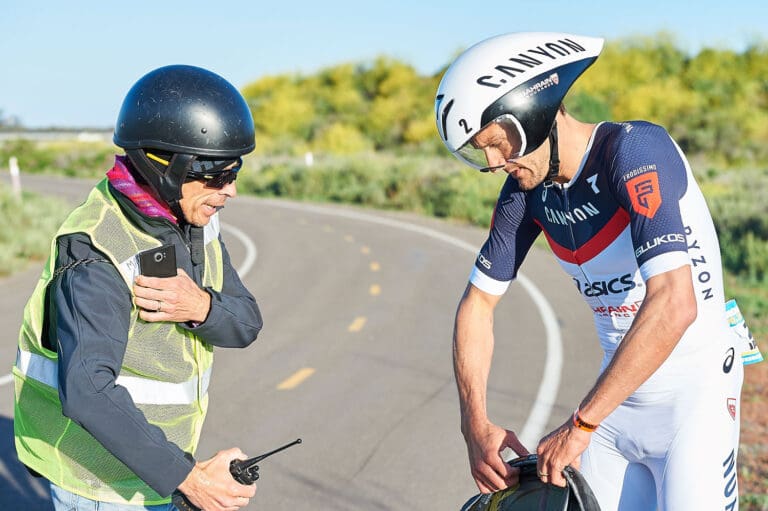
(357, 324)
(296, 378)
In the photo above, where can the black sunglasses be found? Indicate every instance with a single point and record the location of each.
(216, 180)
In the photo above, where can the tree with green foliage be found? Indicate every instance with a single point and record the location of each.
(715, 103)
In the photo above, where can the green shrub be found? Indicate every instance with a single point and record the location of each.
(736, 200)
(32, 222)
(435, 186)
(753, 502)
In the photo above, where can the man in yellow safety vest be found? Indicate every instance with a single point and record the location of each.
(113, 364)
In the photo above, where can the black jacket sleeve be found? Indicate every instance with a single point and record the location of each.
(234, 320)
(89, 310)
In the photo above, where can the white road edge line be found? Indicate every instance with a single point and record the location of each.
(250, 249)
(249, 260)
(539, 415)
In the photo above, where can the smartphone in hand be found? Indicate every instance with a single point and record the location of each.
(158, 262)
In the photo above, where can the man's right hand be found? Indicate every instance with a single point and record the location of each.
(211, 487)
(484, 445)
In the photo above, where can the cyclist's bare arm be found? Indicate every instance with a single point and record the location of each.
(472, 354)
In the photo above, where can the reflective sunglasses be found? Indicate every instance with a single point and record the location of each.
(514, 145)
(208, 172)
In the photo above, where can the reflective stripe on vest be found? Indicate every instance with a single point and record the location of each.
(142, 390)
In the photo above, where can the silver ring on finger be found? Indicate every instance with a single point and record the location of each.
(159, 305)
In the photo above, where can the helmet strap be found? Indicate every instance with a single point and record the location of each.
(165, 182)
(177, 211)
(176, 173)
(554, 156)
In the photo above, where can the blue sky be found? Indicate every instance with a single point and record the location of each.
(71, 63)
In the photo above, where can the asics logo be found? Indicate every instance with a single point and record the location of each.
(728, 362)
(604, 287)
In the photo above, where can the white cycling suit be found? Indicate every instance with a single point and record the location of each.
(632, 211)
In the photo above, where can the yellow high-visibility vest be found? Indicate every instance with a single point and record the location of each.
(166, 369)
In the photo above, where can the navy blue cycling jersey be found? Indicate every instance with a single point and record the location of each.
(632, 211)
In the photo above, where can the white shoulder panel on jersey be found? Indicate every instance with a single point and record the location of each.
(663, 263)
(486, 284)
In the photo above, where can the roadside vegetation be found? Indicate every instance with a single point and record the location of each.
(31, 221)
(364, 134)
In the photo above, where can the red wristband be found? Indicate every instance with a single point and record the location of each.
(581, 424)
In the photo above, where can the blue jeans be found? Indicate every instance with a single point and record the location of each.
(67, 501)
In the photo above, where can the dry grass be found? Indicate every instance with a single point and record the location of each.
(753, 450)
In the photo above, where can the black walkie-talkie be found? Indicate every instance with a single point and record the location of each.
(244, 471)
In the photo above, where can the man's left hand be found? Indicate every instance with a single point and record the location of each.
(560, 448)
(177, 299)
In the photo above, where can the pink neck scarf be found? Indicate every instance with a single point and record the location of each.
(141, 195)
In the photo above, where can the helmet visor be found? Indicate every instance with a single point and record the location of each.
(498, 142)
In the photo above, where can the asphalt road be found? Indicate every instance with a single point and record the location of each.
(355, 357)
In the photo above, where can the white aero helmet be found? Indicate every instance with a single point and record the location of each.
(517, 79)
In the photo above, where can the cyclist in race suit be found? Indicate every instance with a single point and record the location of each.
(621, 211)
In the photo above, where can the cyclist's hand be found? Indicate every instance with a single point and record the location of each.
(484, 445)
(211, 487)
(560, 448)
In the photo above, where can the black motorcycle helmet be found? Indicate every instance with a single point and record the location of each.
(189, 115)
